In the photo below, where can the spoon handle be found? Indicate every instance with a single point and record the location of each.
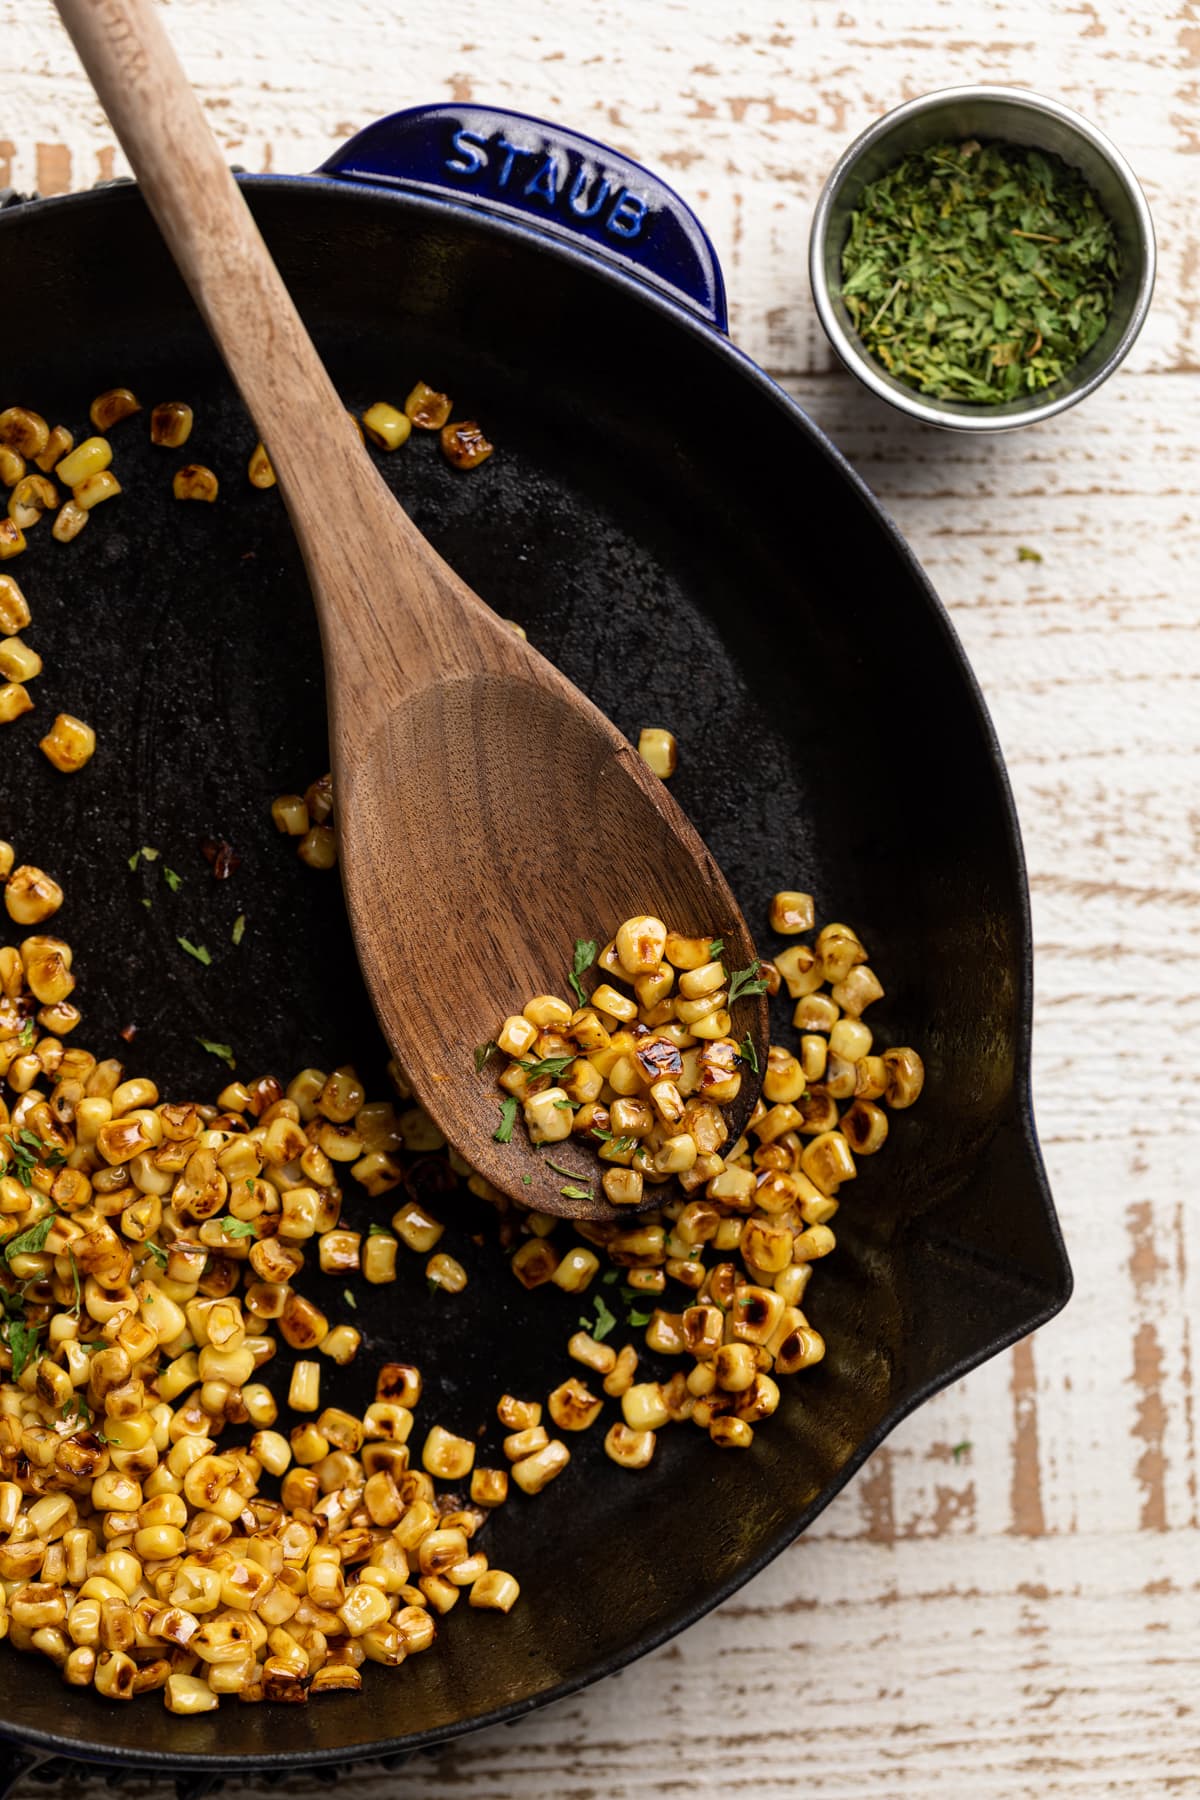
(334, 495)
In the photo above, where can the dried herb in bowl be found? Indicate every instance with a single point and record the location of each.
(979, 272)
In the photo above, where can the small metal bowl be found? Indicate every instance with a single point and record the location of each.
(1007, 115)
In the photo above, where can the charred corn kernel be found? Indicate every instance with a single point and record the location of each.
(628, 1448)
(516, 1035)
(791, 912)
(259, 468)
(186, 1694)
(532, 1473)
(31, 497)
(110, 407)
(548, 1116)
(31, 895)
(94, 489)
(385, 426)
(489, 1487)
(318, 848)
(194, 482)
(643, 1407)
(800, 967)
(617, 1005)
(445, 1456)
(171, 423)
(17, 661)
(840, 950)
(622, 1187)
(735, 1367)
(576, 1270)
(905, 1077)
(641, 943)
(495, 1590)
(90, 457)
(290, 815)
(446, 1272)
(783, 1078)
(23, 431)
(12, 538)
(697, 984)
(675, 1155)
(427, 409)
(69, 744)
(814, 1242)
(416, 1227)
(379, 1258)
(850, 1039)
(304, 1391)
(69, 521)
(865, 1127)
(861, 988)
(13, 702)
(827, 1161)
(463, 444)
(658, 750)
(14, 608)
(573, 1407)
(731, 1433)
(12, 465)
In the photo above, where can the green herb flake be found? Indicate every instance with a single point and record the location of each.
(746, 981)
(598, 1131)
(28, 1033)
(22, 1344)
(239, 1228)
(375, 1229)
(979, 273)
(602, 1324)
(748, 1053)
(1025, 554)
(134, 860)
(348, 1297)
(76, 1406)
(146, 903)
(197, 950)
(640, 1318)
(151, 855)
(31, 1242)
(549, 1065)
(586, 950)
(224, 1051)
(158, 1253)
(958, 1451)
(77, 1305)
(482, 1053)
(571, 1174)
(715, 949)
(508, 1118)
(575, 1193)
(173, 881)
(239, 930)
(568, 1105)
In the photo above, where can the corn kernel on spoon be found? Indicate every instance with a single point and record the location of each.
(488, 814)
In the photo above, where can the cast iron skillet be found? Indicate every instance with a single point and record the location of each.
(682, 541)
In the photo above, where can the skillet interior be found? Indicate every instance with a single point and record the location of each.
(681, 542)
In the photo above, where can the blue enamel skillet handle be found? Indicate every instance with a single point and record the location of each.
(544, 176)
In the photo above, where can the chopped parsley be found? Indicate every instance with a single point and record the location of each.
(197, 950)
(748, 1053)
(958, 1451)
(348, 1297)
(77, 1406)
(239, 1228)
(571, 1174)
(27, 1150)
(1025, 554)
(29, 1243)
(28, 1033)
(508, 1118)
(22, 1344)
(173, 881)
(158, 1253)
(603, 1323)
(640, 1318)
(375, 1229)
(150, 854)
(715, 949)
(482, 1053)
(239, 930)
(576, 1193)
(747, 981)
(224, 1051)
(585, 955)
(549, 1065)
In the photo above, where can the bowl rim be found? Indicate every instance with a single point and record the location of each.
(849, 347)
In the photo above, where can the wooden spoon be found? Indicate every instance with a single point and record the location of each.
(488, 814)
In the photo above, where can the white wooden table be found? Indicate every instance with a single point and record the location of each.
(1024, 1619)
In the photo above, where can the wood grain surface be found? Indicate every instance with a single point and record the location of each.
(1007, 1600)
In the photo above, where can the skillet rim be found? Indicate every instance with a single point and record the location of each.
(590, 264)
